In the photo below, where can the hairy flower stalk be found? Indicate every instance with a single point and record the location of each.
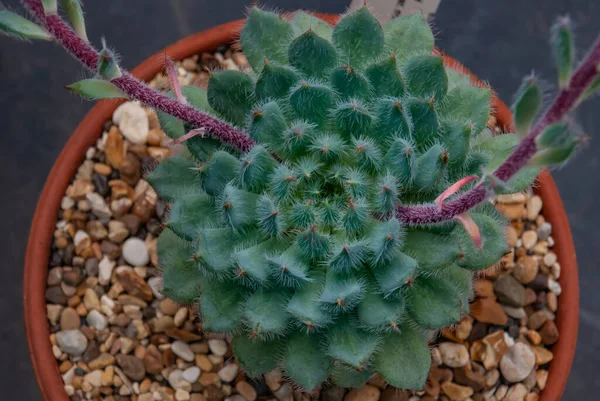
(342, 224)
(135, 89)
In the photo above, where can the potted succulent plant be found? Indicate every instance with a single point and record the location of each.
(329, 206)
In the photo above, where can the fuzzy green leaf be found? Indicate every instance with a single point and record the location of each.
(306, 307)
(494, 244)
(527, 104)
(220, 307)
(430, 168)
(401, 160)
(394, 275)
(15, 25)
(425, 122)
(275, 81)
(265, 312)
(426, 77)
(468, 104)
(353, 119)
(377, 312)
(230, 93)
(256, 356)
(342, 292)
(256, 168)
(563, 48)
(237, 207)
(312, 55)
(288, 267)
(251, 263)
(220, 169)
(97, 89)
(409, 36)
(349, 344)
(349, 83)
(386, 79)
(75, 14)
(455, 138)
(268, 124)
(403, 359)
(345, 376)
(181, 278)
(257, 38)
(385, 239)
(432, 251)
(175, 177)
(304, 360)
(359, 37)
(433, 302)
(190, 213)
(302, 22)
(462, 280)
(312, 102)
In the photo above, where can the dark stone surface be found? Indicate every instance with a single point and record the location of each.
(500, 41)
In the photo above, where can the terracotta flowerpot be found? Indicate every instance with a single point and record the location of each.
(86, 134)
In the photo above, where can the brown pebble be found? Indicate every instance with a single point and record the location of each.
(549, 333)
(114, 147)
(487, 310)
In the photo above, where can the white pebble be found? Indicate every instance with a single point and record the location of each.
(175, 377)
(67, 203)
(73, 342)
(105, 268)
(132, 121)
(217, 346)
(156, 286)
(454, 355)
(182, 350)
(96, 320)
(191, 374)
(555, 287)
(79, 237)
(517, 363)
(135, 252)
(229, 372)
(99, 206)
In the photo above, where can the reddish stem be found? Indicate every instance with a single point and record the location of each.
(136, 89)
(566, 100)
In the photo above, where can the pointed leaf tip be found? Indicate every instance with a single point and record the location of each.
(50, 7)
(75, 14)
(452, 189)
(97, 89)
(15, 25)
(471, 227)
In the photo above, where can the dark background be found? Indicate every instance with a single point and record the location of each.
(500, 41)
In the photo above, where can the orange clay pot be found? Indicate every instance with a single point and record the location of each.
(86, 134)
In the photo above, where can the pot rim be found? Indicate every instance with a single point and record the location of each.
(85, 135)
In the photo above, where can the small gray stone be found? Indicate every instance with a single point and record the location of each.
(191, 374)
(509, 291)
(175, 377)
(334, 393)
(182, 350)
(517, 363)
(135, 252)
(73, 342)
(156, 286)
(99, 206)
(517, 313)
(96, 320)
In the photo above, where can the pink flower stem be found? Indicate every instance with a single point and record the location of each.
(136, 89)
(566, 100)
